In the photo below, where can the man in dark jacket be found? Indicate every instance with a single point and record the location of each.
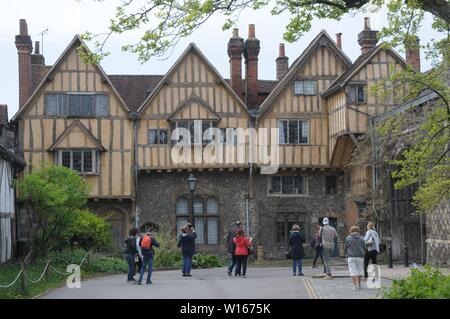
(296, 240)
(232, 246)
(147, 253)
(187, 244)
(130, 253)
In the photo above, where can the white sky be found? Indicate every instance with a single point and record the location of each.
(65, 18)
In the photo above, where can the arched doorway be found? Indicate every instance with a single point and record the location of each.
(117, 221)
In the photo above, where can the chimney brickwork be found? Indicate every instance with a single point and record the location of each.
(235, 50)
(24, 48)
(251, 52)
(413, 54)
(282, 63)
(367, 38)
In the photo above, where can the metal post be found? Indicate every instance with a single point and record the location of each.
(192, 209)
(406, 256)
(390, 257)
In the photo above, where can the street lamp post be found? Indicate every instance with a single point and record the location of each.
(192, 182)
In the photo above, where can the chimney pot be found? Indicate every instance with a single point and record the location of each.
(235, 50)
(235, 33)
(23, 27)
(367, 23)
(251, 31)
(282, 63)
(413, 53)
(339, 40)
(281, 51)
(36, 47)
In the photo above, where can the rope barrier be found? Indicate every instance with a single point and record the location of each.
(40, 277)
(22, 272)
(14, 281)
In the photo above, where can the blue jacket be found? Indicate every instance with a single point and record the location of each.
(187, 244)
(149, 252)
(296, 240)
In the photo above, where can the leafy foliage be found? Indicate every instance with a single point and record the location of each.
(168, 254)
(427, 284)
(55, 198)
(206, 261)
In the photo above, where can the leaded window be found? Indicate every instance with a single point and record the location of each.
(356, 93)
(82, 161)
(76, 104)
(190, 126)
(306, 87)
(157, 137)
(293, 131)
(287, 185)
(284, 222)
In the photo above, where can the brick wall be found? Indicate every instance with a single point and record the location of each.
(438, 235)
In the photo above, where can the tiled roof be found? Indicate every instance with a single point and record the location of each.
(134, 89)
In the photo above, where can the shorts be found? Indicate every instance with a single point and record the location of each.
(356, 266)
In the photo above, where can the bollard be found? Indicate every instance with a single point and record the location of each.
(23, 288)
(390, 258)
(406, 257)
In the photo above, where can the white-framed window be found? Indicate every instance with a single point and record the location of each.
(304, 87)
(356, 93)
(288, 185)
(79, 104)
(293, 131)
(84, 161)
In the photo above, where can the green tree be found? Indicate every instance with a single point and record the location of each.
(55, 198)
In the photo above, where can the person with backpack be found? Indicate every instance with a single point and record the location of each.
(147, 244)
(232, 246)
(242, 243)
(296, 240)
(138, 256)
(130, 253)
(187, 244)
(354, 251)
(372, 241)
(328, 237)
(317, 246)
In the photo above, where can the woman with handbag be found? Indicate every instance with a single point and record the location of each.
(296, 240)
(242, 249)
(372, 241)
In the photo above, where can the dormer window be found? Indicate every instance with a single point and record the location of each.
(76, 104)
(356, 93)
(305, 87)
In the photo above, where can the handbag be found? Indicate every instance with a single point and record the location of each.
(288, 254)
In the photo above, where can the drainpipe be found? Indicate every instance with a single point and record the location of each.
(135, 117)
(247, 216)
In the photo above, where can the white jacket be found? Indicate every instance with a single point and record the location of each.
(371, 233)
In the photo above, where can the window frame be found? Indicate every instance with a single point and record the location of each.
(63, 111)
(300, 128)
(158, 137)
(174, 124)
(280, 193)
(354, 85)
(326, 185)
(205, 216)
(304, 81)
(285, 218)
(95, 162)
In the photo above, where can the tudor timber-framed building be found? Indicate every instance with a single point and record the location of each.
(114, 130)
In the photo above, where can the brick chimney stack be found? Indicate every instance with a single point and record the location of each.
(367, 38)
(251, 51)
(37, 58)
(282, 63)
(339, 40)
(413, 54)
(235, 50)
(24, 48)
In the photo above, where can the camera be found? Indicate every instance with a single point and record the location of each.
(189, 225)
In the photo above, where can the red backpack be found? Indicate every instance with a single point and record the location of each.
(146, 242)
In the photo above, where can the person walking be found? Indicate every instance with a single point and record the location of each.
(296, 240)
(187, 244)
(232, 246)
(354, 251)
(317, 246)
(328, 237)
(130, 253)
(372, 241)
(138, 257)
(242, 245)
(147, 244)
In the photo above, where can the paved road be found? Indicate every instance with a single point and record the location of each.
(261, 283)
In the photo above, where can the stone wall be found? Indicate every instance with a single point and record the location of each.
(438, 235)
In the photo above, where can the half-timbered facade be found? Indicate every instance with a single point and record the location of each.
(117, 131)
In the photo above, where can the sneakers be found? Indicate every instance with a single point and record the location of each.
(184, 275)
(328, 277)
(229, 273)
(139, 283)
(294, 274)
(149, 282)
(300, 274)
(188, 275)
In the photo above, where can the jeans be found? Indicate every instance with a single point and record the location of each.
(318, 254)
(370, 255)
(295, 263)
(187, 264)
(233, 262)
(241, 262)
(131, 266)
(147, 260)
(326, 253)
